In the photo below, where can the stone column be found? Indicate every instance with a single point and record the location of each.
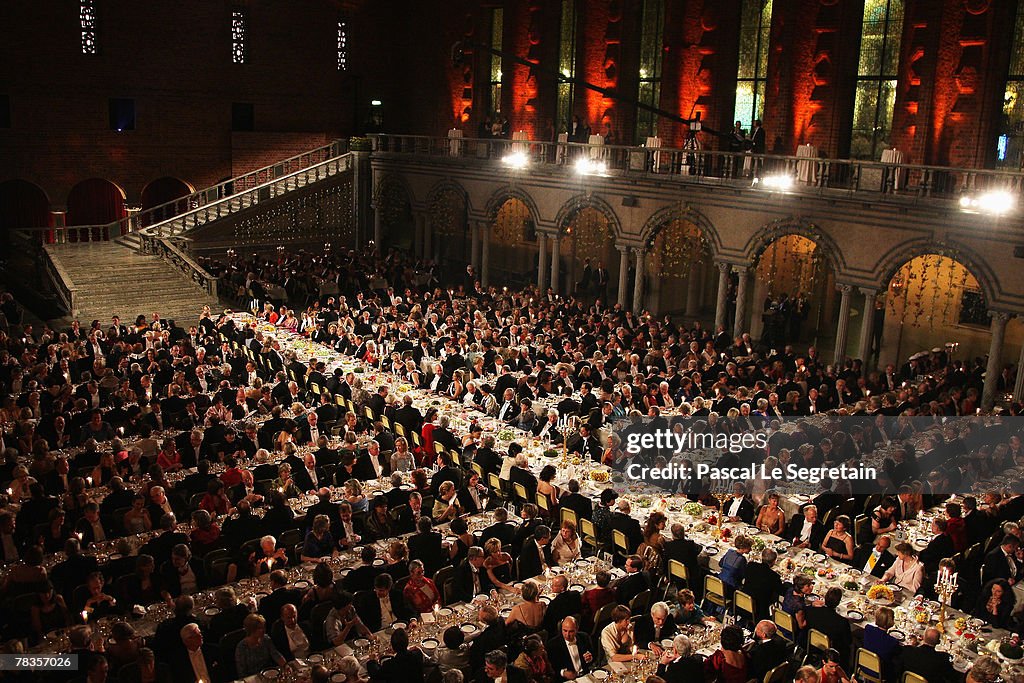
(417, 234)
(867, 326)
(741, 300)
(693, 290)
(995, 353)
(542, 262)
(474, 246)
(485, 253)
(1018, 386)
(378, 228)
(638, 283)
(844, 322)
(624, 276)
(428, 251)
(722, 304)
(555, 244)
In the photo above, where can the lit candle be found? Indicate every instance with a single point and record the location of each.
(85, 616)
(88, 480)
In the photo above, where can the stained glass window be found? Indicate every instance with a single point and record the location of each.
(497, 27)
(87, 21)
(877, 68)
(342, 44)
(755, 32)
(1010, 144)
(649, 89)
(566, 64)
(239, 37)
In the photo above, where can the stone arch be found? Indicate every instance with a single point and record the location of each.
(162, 191)
(663, 217)
(502, 194)
(23, 204)
(766, 234)
(447, 209)
(392, 199)
(588, 201)
(447, 185)
(901, 254)
(96, 201)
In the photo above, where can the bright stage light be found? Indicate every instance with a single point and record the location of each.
(996, 202)
(517, 160)
(779, 183)
(585, 166)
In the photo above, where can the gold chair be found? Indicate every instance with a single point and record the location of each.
(714, 591)
(868, 666)
(816, 640)
(785, 623)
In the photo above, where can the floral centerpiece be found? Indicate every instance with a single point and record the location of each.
(880, 593)
(694, 509)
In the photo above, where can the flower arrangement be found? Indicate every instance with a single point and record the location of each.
(880, 592)
(694, 509)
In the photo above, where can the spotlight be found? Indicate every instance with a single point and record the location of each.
(516, 160)
(780, 183)
(585, 166)
(997, 202)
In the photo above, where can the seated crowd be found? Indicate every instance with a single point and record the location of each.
(100, 424)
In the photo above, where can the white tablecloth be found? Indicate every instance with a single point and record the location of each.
(596, 141)
(563, 147)
(805, 171)
(899, 174)
(656, 143)
(455, 142)
(520, 147)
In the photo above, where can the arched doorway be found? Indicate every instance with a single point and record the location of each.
(513, 248)
(449, 233)
(22, 205)
(393, 203)
(931, 300)
(160, 192)
(678, 265)
(588, 238)
(95, 202)
(792, 293)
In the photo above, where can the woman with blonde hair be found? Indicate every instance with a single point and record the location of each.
(530, 612)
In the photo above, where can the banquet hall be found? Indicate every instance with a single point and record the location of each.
(655, 340)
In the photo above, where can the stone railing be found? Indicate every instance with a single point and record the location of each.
(59, 282)
(801, 174)
(165, 248)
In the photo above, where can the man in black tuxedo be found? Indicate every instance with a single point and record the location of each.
(828, 621)
(535, 555)
(362, 578)
(198, 662)
(763, 583)
(739, 508)
(565, 603)
(577, 502)
(405, 665)
(768, 650)
(280, 595)
(501, 529)
(940, 547)
(493, 637)
(1001, 563)
(521, 474)
(497, 668)
(571, 653)
(508, 408)
(469, 578)
(426, 547)
(655, 626)
(70, 573)
(383, 605)
(634, 582)
(371, 463)
(289, 622)
(875, 558)
(470, 495)
(682, 549)
(622, 521)
(488, 460)
(926, 662)
(409, 416)
(805, 529)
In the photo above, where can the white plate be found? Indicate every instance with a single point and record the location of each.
(545, 599)
(430, 643)
(855, 615)
(667, 643)
(600, 674)
(271, 674)
(378, 562)
(469, 628)
(445, 611)
(211, 611)
(361, 642)
(315, 658)
(339, 678)
(302, 584)
(577, 587)
(818, 557)
(898, 635)
(399, 624)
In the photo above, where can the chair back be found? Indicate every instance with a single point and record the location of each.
(678, 570)
(568, 515)
(911, 677)
(714, 591)
(443, 580)
(641, 603)
(868, 666)
(602, 618)
(543, 502)
(779, 674)
(785, 623)
(743, 603)
(318, 616)
(862, 529)
(816, 640)
(620, 541)
(228, 644)
(521, 492)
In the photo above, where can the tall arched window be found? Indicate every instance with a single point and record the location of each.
(755, 31)
(87, 23)
(1010, 145)
(497, 27)
(566, 64)
(649, 89)
(876, 77)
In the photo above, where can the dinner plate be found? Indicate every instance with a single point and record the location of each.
(505, 612)
(577, 587)
(445, 611)
(667, 643)
(271, 674)
(315, 658)
(260, 596)
(398, 624)
(469, 628)
(600, 674)
(361, 642)
(711, 550)
(854, 615)
(545, 599)
(378, 562)
(339, 678)
(302, 584)
(898, 635)
(818, 557)
(753, 531)
(430, 643)
(211, 611)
